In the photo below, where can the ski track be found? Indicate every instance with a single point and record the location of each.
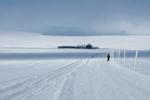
(88, 79)
(101, 80)
(22, 89)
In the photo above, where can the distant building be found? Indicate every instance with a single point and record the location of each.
(88, 46)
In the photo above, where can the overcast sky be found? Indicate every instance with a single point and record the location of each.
(76, 17)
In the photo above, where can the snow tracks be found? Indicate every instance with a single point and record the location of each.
(38, 87)
(90, 79)
(101, 80)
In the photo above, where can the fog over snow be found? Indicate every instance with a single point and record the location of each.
(38, 40)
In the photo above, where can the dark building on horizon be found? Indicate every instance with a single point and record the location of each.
(88, 46)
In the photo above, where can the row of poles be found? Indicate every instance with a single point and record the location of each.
(118, 54)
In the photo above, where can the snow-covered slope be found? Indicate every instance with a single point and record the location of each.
(36, 40)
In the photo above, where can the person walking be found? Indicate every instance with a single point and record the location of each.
(108, 57)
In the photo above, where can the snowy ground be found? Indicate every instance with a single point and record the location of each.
(83, 76)
(82, 79)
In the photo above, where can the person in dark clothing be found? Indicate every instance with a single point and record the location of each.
(108, 57)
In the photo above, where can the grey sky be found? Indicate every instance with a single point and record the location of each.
(76, 17)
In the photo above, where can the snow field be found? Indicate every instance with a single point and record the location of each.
(82, 79)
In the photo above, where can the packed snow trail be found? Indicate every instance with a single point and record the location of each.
(29, 88)
(86, 79)
(101, 80)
